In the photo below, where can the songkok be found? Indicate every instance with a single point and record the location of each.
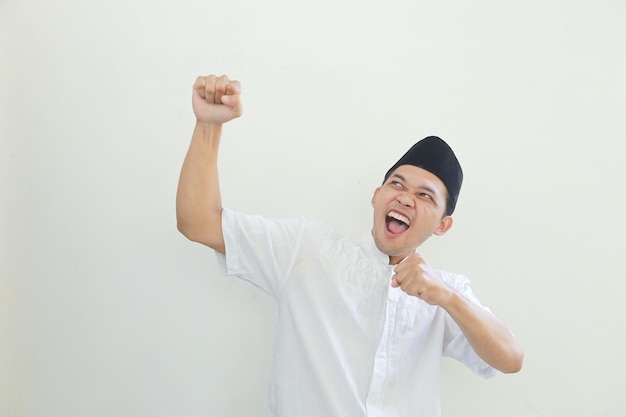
(436, 156)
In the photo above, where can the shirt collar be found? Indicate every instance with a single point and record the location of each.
(372, 250)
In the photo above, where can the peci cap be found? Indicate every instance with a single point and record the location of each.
(436, 156)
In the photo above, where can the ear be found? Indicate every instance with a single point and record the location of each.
(374, 196)
(444, 225)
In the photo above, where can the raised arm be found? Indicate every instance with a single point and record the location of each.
(216, 100)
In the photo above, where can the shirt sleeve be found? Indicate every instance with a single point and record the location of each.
(263, 251)
(456, 344)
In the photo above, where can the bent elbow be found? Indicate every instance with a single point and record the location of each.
(203, 234)
(182, 227)
(189, 232)
(515, 362)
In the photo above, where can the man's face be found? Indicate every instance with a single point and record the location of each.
(408, 209)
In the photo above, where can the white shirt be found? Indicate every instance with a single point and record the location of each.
(347, 344)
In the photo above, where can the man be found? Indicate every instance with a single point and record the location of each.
(362, 325)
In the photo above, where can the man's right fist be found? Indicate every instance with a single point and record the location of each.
(216, 100)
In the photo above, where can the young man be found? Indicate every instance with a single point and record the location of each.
(362, 325)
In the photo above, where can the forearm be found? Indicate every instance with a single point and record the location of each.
(198, 199)
(487, 335)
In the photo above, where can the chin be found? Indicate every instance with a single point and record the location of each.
(388, 249)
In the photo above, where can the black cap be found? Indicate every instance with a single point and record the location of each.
(436, 156)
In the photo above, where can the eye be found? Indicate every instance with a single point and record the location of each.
(426, 195)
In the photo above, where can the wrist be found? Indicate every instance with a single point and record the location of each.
(450, 299)
(207, 135)
(208, 127)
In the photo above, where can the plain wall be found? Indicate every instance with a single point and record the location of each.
(106, 310)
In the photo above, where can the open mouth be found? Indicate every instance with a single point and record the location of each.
(397, 223)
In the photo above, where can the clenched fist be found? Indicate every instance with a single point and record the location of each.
(415, 277)
(216, 100)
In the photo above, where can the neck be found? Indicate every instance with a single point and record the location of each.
(395, 260)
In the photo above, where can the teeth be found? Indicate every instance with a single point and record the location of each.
(400, 217)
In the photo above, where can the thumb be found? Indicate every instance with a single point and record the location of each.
(394, 283)
(233, 102)
(227, 100)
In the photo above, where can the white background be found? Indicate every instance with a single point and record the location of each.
(106, 310)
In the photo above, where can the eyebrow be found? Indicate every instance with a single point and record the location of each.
(399, 176)
(421, 187)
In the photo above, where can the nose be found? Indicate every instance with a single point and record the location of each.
(406, 200)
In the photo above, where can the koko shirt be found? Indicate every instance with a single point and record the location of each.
(347, 344)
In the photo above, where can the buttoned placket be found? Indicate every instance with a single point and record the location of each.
(376, 397)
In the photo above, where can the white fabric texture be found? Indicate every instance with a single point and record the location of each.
(347, 344)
